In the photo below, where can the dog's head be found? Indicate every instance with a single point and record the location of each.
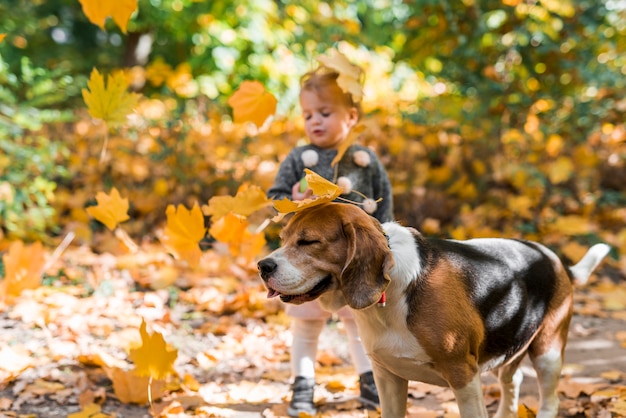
(335, 252)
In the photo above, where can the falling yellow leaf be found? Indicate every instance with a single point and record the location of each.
(110, 210)
(23, 267)
(155, 358)
(249, 199)
(2, 36)
(111, 103)
(184, 230)
(343, 147)
(349, 74)
(97, 11)
(234, 231)
(252, 103)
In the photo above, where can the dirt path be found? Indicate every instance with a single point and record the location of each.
(248, 371)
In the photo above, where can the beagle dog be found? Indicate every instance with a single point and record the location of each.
(454, 309)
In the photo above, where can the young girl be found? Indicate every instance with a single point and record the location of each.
(329, 115)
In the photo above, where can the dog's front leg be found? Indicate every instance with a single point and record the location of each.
(393, 392)
(470, 399)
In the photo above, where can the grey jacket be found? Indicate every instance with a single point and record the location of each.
(372, 180)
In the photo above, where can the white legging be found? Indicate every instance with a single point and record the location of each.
(306, 334)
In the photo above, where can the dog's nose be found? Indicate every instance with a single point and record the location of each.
(266, 267)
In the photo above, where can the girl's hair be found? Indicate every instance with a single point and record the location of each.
(323, 82)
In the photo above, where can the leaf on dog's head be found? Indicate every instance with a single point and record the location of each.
(324, 191)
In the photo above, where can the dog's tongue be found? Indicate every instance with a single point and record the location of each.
(271, 293)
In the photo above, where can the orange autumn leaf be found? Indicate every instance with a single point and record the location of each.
(525, 412)
(23, 267)
(97, 11)
(324, 191)
(2, 36)
(130, 387)
(184, 230)
(249, 199)
(252, 103)
(233, 230)
(109, 101)
(110, 210)
(349, 79)
(154, 358)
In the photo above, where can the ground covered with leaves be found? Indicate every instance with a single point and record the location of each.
(68, 348)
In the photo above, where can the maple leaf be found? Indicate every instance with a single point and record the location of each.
(23, 266)
(184, 230)
(324, 191)
(252, 103)
(351, 139)
(349, 74)
(111, 103)
(154, 358)
(110, 210)
(97, 11)
(249, 199)
(130, 387)
(233, 230)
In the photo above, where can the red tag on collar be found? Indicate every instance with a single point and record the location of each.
(383, 300)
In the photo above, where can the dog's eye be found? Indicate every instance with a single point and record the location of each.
(305, 242)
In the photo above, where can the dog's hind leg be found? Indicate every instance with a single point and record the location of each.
(510, 377)
(548, 366)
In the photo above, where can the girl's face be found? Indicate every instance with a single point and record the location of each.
(326, 122)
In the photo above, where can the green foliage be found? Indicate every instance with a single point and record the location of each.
(29, 169)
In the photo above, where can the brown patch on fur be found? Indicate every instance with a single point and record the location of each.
(453, 336)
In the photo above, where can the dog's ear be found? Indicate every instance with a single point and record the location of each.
(365, 275)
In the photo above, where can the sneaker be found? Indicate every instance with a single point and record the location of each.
(302, 397)
(369, 393)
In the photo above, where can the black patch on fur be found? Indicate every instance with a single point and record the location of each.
(511, 284)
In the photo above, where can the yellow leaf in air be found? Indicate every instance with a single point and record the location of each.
(249, 199)
(97, 11)
(349, 79)
(155, 358)
(23, 267)
(2, 36)
(110, 210)
(323, 191)
(351, 139)
(234, 231)
(252, 103)
(111, 103)
(561, 170)
(184, 230)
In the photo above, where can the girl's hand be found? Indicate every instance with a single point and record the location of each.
(296, 194)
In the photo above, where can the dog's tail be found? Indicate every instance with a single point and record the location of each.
(582, 270)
